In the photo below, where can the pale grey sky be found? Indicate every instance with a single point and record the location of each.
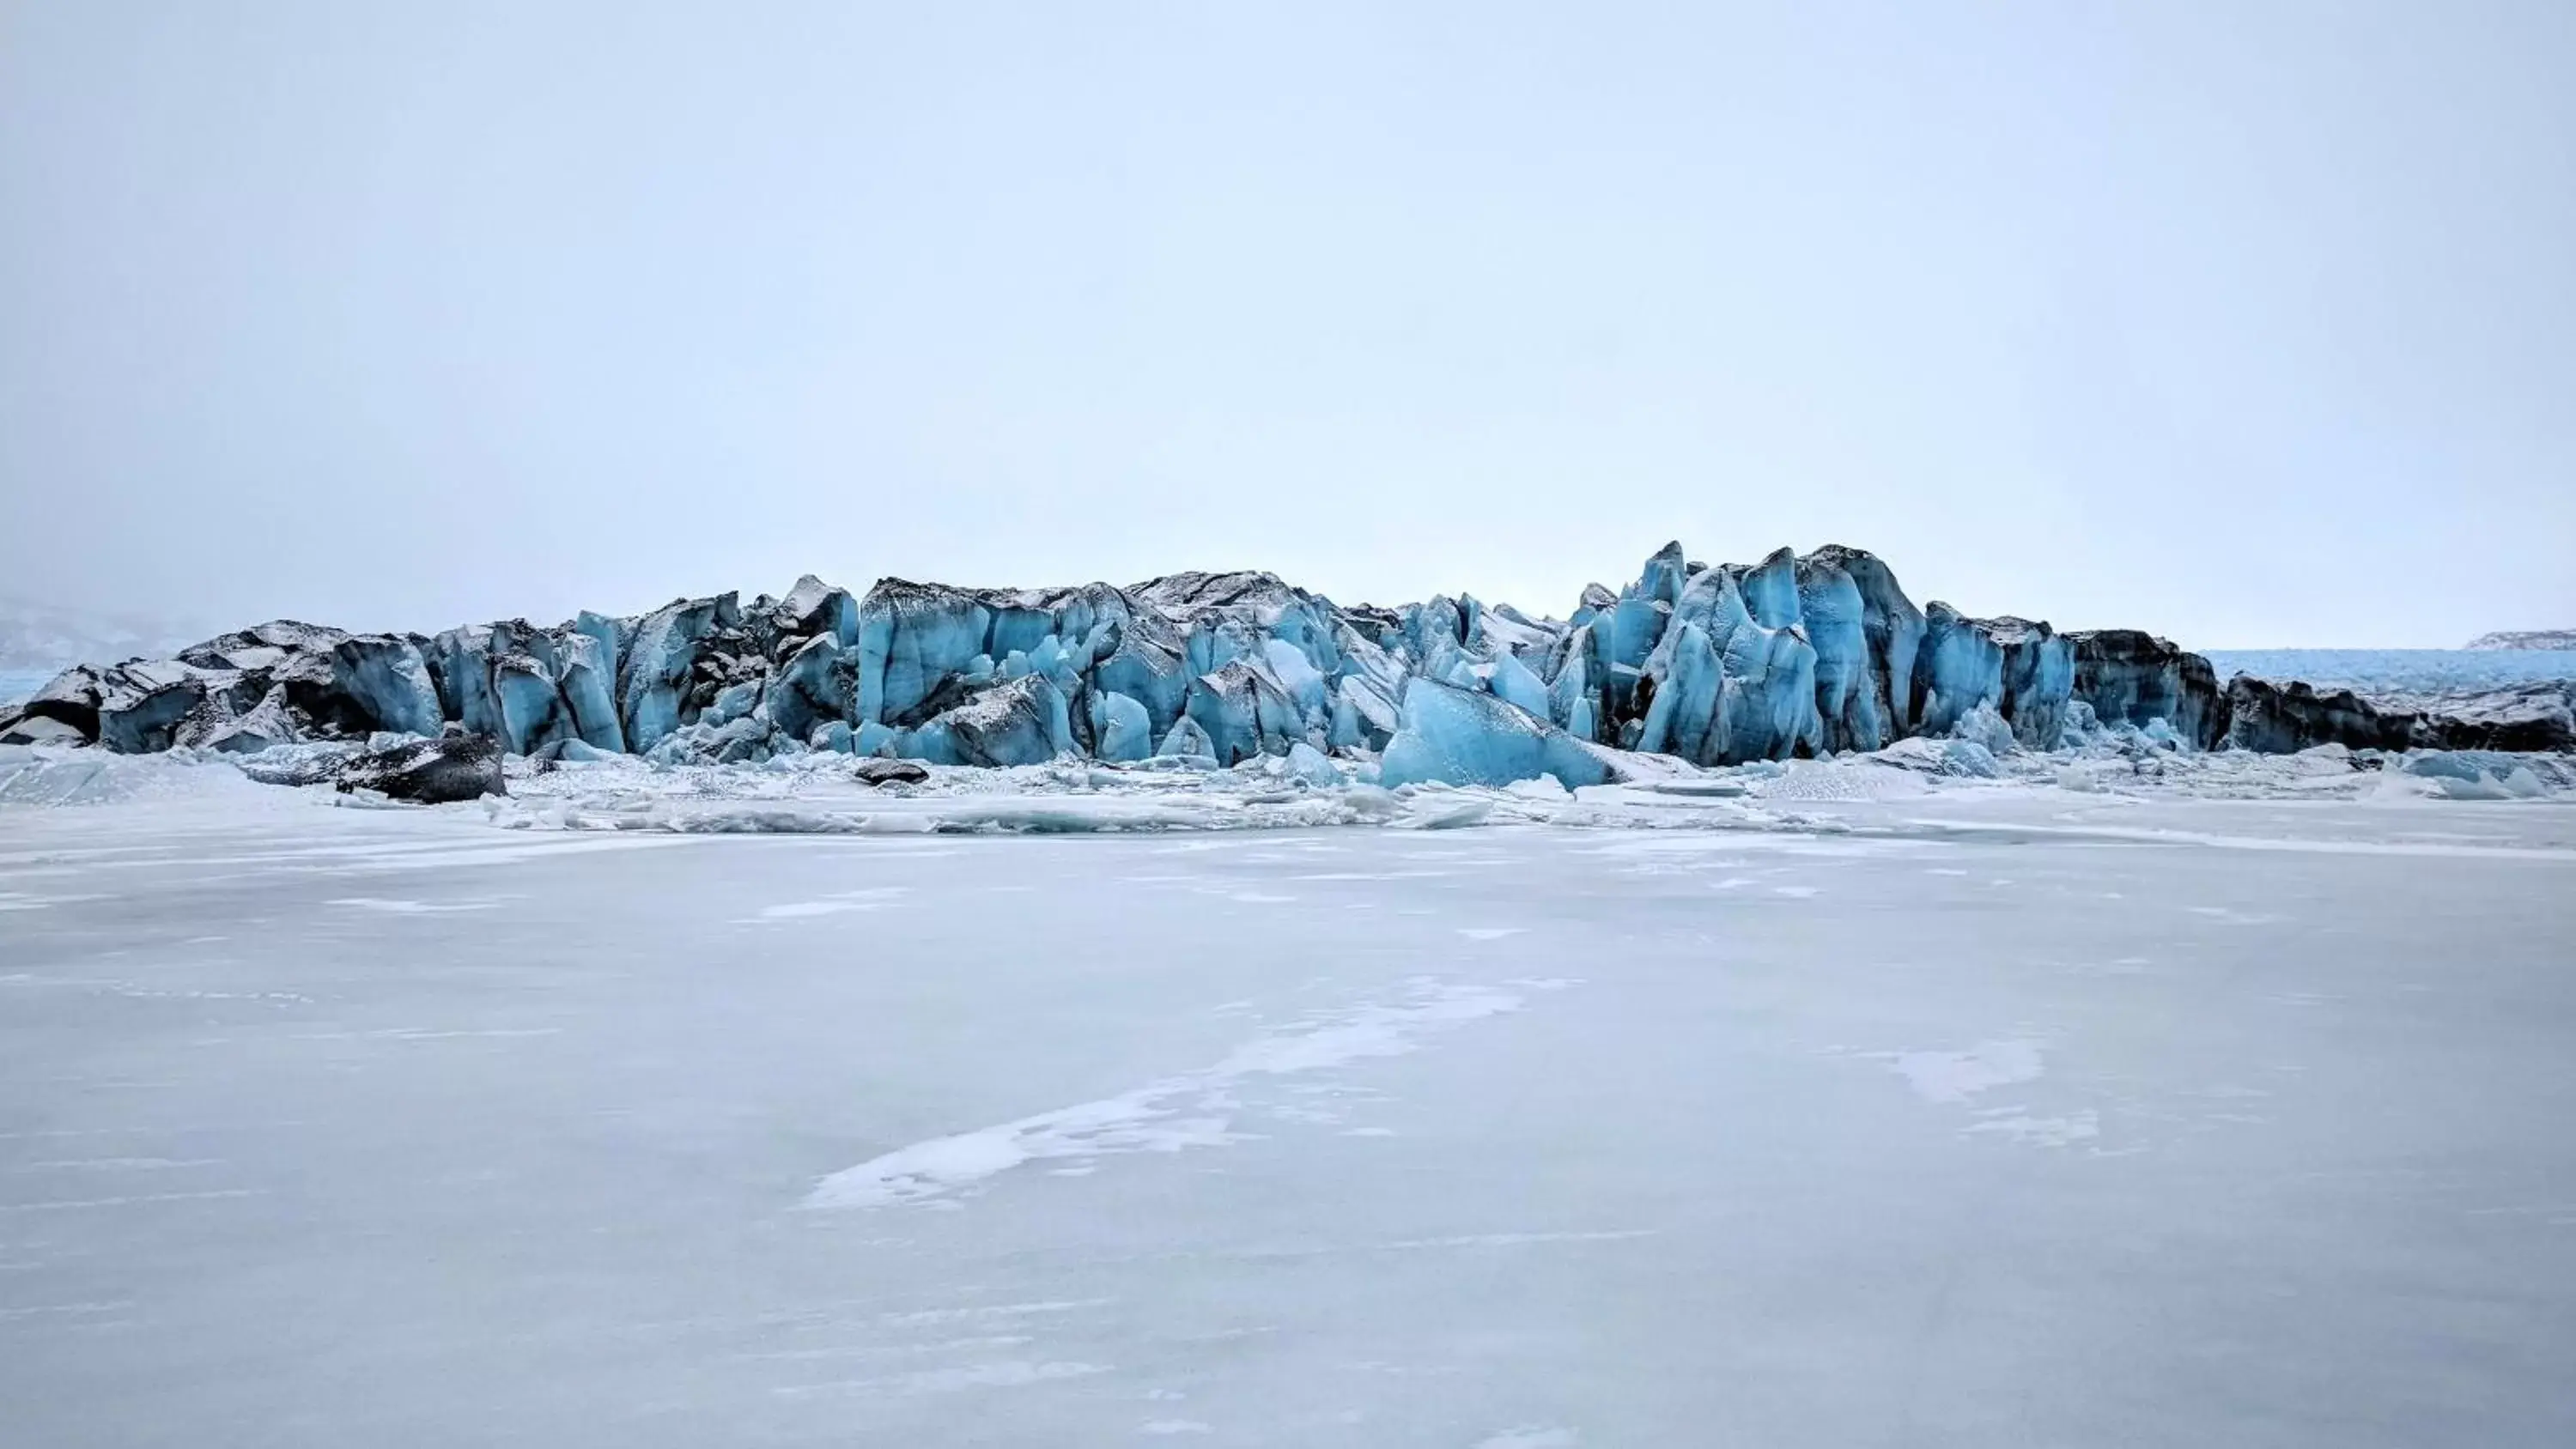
(2251, 323)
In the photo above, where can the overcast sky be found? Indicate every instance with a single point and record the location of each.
(2252, 323)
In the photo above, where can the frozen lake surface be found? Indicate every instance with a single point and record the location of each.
(2008, 1118)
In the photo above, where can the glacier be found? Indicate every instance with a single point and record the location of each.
(1687, 666)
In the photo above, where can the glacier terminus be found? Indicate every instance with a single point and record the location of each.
(1689, 664)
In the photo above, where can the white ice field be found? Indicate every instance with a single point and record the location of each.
(1846, 1105)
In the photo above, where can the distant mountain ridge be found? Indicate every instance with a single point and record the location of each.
(42, 636)
(2525, 639)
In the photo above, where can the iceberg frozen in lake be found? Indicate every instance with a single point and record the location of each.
(1700, 665)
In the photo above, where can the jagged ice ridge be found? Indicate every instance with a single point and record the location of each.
(1796, 656)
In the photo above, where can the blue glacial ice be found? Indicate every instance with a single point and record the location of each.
(1121, 732)
(1712, 665)
(1456, 736)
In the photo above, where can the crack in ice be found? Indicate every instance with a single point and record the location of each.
(1163, 1116)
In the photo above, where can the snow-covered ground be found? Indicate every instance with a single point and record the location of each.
(2128, 1099)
